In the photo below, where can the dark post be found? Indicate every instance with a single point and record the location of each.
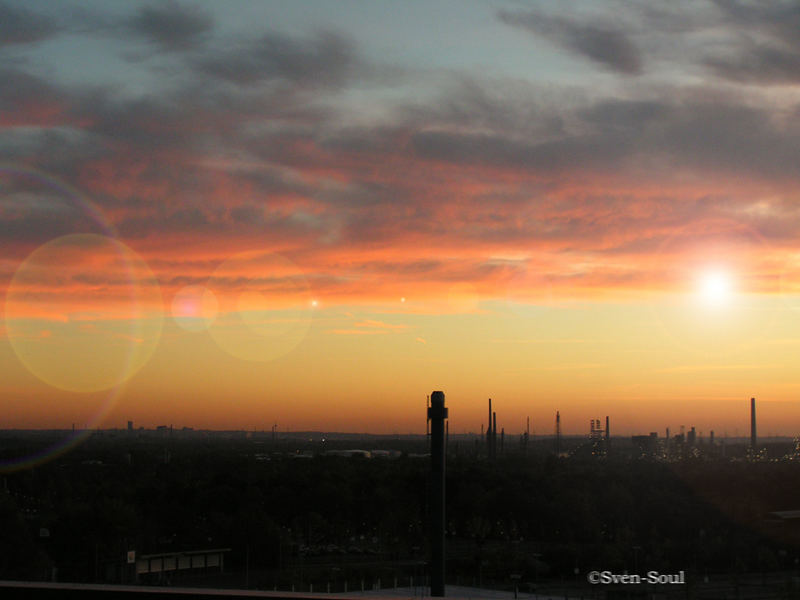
(437, 413)
(494, 435)
(558, 433)
(489, 432)
(753, 437)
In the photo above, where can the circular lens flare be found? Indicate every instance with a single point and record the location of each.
(265, 306)
(194, 308)
(83, 313)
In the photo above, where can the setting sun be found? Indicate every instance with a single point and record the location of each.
(715, 288)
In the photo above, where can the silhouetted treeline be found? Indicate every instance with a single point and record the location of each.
(288, 516)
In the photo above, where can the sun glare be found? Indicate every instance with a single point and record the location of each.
(715, 288)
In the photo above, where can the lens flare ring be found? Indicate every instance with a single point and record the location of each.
(82, 310)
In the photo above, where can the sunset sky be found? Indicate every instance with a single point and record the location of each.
(235, 214)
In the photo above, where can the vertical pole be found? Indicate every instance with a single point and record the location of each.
(489, 432)
(428, 422)
(437, 413)
(494, 435)
(753, 437)
(558, 433)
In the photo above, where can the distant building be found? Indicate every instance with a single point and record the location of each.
(157, 567)
(648, 444)
(691, 437)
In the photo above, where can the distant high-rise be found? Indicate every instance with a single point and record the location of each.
(130, 425)
(753, 437)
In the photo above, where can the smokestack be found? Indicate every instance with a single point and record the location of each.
(527, 434)
(753, 437)
(494, 435)
(437, 413)
(558, 433)
(489, 432)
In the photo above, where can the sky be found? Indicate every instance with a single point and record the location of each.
(312, 214)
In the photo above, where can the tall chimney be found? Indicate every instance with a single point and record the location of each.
(437, 413)
(489, 432)
(494, 435)
(753, 437)
(558, 433)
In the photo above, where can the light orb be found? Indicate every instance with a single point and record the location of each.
(715, 288)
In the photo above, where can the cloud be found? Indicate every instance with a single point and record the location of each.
(751, 62)
(698, 129)
(258, 145)
(762, 45)
(22, 26)
(325, 60)
(742, 42)
(380, 325)
(355, 332)
(172, 26)
(601, 43)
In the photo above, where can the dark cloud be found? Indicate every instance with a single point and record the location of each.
(22, 26)
(182, 220)
(172, 26)
(35, 208)
(778, 19)
(766, 46)
(700, 131)
(758, 63)
(605, 44)
(325, 60)
(18, 89)
(470, 104)
(503, 151)
(743, 42)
